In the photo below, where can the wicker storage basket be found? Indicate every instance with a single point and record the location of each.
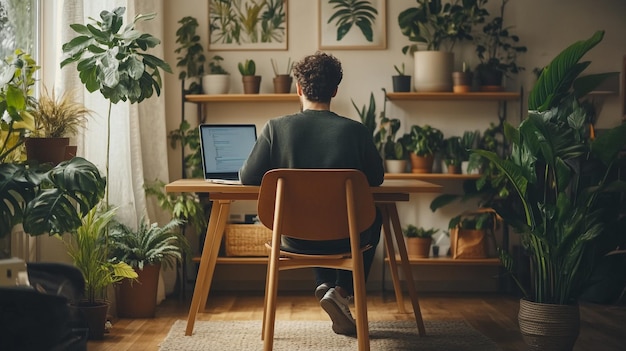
(246, 240)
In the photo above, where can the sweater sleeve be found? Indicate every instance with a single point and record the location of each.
(258, 162)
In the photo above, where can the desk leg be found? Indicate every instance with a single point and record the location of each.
(406, 267)
(215, 230)
(391, 255)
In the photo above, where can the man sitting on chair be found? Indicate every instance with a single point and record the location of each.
(319, 138)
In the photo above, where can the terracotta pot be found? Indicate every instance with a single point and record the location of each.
(401, 84)
(421, 164)
(70, 152)
(251, 84)
(282, 84)
(548, 326)
(137, 299)
(418, 247)
(462, 82)
(46, 150)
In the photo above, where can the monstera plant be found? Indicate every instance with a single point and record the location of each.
(43, 199)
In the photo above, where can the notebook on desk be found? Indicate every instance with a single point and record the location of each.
(224, 149)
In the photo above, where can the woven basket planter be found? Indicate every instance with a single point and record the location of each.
(547, 326)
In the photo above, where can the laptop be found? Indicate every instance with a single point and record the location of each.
(224, 149)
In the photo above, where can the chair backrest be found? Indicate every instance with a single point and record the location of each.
(315, 202)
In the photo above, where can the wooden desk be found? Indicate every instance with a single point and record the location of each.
(386, 196)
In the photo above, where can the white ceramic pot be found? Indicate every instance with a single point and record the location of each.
(464, 166)
(433, 71)
(395, 166)
(216, 84)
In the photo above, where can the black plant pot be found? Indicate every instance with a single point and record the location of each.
(490, 79)
(401, 84)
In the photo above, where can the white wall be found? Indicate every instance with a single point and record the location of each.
(545, 26)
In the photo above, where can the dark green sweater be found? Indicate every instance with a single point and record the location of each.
(313, 139)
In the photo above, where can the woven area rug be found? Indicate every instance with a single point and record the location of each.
(317, 335)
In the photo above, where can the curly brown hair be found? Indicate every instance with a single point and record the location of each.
(319, 76)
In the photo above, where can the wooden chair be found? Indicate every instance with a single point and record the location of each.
(316, 205)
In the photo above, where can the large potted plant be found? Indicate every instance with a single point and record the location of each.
(497, 49)
(112, 58)
(56, 120)
(425, 141)
(437, 27)
(565, 200)
(88, 249)
(146, 250)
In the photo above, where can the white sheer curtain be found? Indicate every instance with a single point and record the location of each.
(138, 143)
(138, 135)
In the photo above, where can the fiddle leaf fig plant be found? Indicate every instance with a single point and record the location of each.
(113, 59)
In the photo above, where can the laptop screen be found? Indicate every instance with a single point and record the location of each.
(224, 148)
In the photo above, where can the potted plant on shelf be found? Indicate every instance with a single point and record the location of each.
(251, 82)
(469, 232)
(497, 48)
(192, 59)
(418, 240)
(565, 199)
(146, 250)
(88, 249)
(218, 79)
(438, 26)
(462, 80)
(425, 141)
(282, 82)
(56, 120)
(452, 154)
(401, 81)
(469, 140)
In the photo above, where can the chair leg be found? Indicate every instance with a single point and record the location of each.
(360, 303)
(269, 317)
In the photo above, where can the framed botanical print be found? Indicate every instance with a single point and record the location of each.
(352, 25)
(247, 25)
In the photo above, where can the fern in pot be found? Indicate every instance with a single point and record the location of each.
(146, 249)
(88, 249)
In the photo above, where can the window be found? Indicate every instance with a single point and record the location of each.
(19, 28)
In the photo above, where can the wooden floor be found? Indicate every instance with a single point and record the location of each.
(603, 328)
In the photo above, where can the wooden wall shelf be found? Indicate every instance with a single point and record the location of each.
(201, 98)
(430, 261)
(448, 96)
(447, 261)
(431, 176)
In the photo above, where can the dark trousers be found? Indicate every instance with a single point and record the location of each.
(338, 277)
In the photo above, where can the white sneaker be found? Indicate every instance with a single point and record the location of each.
(321, 290)
(337, 308)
